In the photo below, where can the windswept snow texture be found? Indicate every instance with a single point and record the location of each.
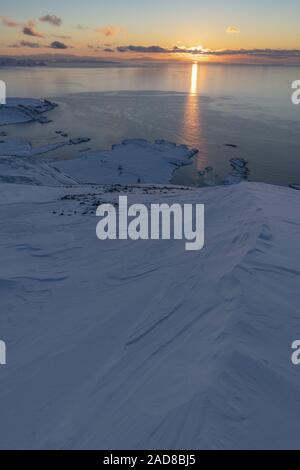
(30, 171)
(133, 161)
(20, 110)
(142, 345)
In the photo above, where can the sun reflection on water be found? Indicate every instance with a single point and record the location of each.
(194, 79)
(192, 122)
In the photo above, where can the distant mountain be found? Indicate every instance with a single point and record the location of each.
(21, 62)
(44, 60)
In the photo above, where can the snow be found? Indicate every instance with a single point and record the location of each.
(143, 345)
(124, 344)
(23, 148)
(21, 110)
(30, 171)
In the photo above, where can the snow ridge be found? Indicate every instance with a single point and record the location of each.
(124, 344)
(142, 345)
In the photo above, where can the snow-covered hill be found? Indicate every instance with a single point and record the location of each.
(130, 345)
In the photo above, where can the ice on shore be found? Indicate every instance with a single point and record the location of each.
(239, 171)
(132, 161)
(79, 140)
(142, 345)
(20, 110)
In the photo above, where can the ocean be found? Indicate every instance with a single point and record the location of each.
(225, 111)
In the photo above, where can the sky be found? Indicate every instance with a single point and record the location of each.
(197, 30)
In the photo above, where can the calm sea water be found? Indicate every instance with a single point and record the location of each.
(204, 106)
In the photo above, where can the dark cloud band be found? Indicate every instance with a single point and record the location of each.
(264, 53)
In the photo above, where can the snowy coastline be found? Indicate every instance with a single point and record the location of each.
(22, 110)
(141, 345)
(133, 161)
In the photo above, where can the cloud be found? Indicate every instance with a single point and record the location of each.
(81, 28)
(144, 49)
(36, 45)
(160, 49)
(61, 36)
(58, 45)
(199, 51)
(263, 53)
(233, 30)
(109, 30)
(32, 45)
(51, 19)
(29, 30)
(103, 48)
(8, 22)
